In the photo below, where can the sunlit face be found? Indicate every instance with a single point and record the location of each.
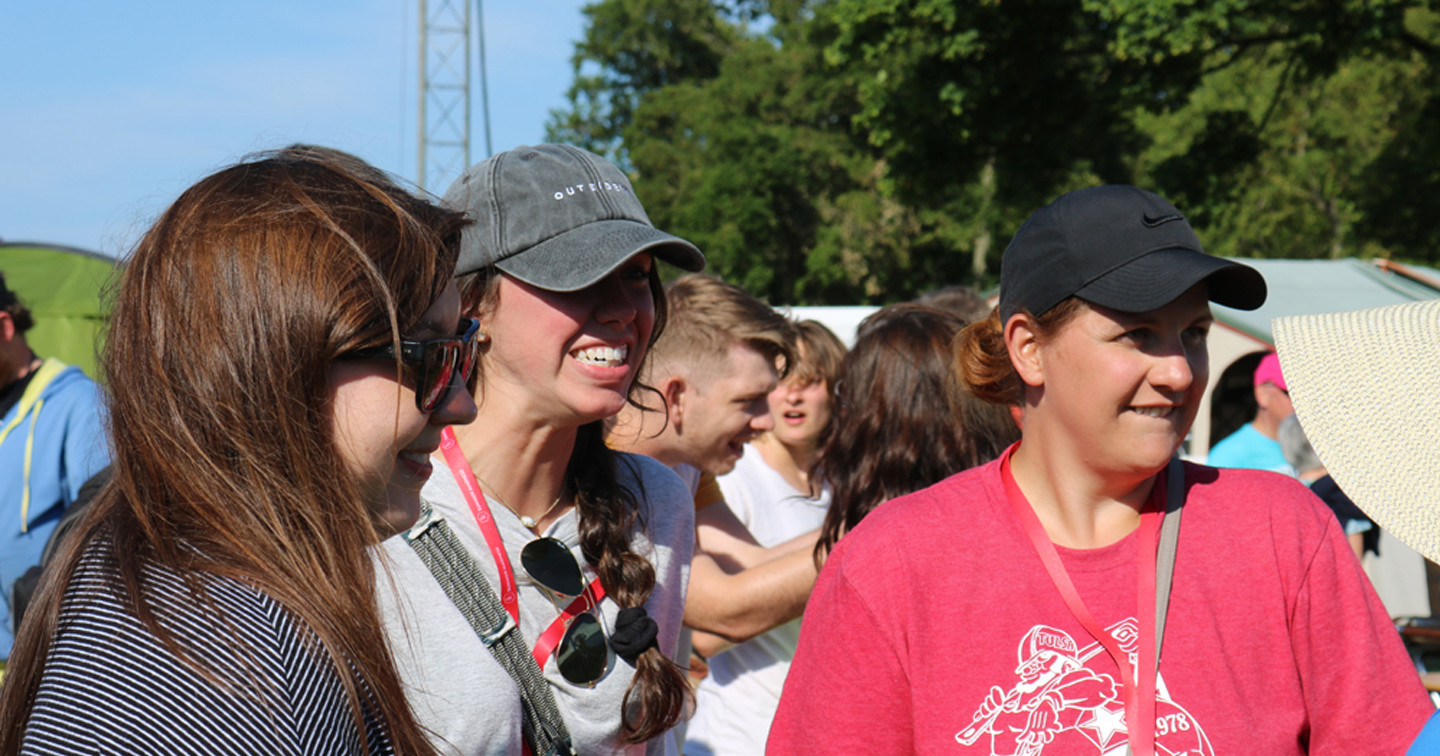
(568, 358)
(800, 412)
(723, 410)
(384, 440)
(1124, 387)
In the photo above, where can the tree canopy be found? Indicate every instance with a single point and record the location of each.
(846, 151)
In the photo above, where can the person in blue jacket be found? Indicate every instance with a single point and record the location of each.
(51, 442)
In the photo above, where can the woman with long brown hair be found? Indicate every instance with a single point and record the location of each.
(908, 424)
(1055, 601)
(561, 270)
(280, 361)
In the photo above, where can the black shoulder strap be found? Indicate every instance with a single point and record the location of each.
(456, 571)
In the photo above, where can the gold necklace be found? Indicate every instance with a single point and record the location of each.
(525, 520)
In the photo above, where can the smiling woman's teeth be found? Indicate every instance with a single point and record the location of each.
(1153, 411)
(603, 356)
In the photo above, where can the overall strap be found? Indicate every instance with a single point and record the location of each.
(456, 571)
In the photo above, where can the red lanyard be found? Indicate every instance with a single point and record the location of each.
(470, 487)
(1139, 682)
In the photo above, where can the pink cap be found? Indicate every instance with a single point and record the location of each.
(1268, 371)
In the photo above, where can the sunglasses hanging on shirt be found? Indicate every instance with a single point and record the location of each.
(584, 652)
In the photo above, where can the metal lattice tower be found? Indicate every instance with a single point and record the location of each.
(444, 92)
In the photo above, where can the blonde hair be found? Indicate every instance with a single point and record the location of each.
(706, 316)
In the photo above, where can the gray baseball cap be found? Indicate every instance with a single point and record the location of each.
(556, 217)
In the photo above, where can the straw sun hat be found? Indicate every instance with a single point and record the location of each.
(1366, 387)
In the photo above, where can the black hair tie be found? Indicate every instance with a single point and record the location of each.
(634, 633)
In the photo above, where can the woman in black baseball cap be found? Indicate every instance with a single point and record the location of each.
(1024, 606)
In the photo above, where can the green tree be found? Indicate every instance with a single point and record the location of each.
(1051, 94)
(742, 164)
(631, 49)
(1270, 170)
(867, 150)
(1270, 163)
(1399, 192)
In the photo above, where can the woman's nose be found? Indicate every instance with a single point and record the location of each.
(615, 303)
(1174, 370)
(458, 407)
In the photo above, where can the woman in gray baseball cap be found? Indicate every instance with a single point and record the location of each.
(1023, 606)
(586, 549)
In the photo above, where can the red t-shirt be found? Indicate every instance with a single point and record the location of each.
(934, 628)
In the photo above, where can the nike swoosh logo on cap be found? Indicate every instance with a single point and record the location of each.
(1152, 221)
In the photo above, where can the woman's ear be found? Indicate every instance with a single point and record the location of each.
(1023, 343)
(481, 308)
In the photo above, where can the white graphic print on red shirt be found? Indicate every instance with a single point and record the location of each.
(1057, 699)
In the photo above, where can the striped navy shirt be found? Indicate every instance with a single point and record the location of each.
(110, 687)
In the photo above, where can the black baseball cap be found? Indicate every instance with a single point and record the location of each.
(1119, 247)
(556, 217)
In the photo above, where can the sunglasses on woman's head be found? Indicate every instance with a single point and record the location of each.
(584, 651)
(433, 363)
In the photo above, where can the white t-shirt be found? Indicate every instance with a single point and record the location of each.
(735, 703)
(458, 690)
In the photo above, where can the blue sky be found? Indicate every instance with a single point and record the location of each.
(108, 110)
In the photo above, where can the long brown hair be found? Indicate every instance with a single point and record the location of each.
(609, 514)
(239, 299)
(907, 424)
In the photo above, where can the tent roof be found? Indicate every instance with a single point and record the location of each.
(1306, 287)
(63, 288)
(56, 281)
(842, 320)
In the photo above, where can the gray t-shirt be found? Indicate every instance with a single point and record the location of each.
(458, 691)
